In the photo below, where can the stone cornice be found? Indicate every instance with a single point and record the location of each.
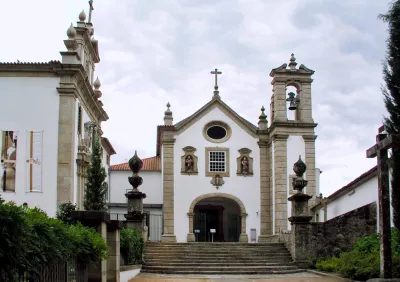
(280, 137)
(309, 138)
(292, 123)
(264, 143)
(74, 76)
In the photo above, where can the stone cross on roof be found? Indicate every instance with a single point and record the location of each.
(90, 11)
(216, 73)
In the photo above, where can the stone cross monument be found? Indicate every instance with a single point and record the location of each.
(135, 215)
(380, 150)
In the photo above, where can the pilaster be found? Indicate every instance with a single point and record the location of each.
(265, 189)
(280, 181)
(66, 145)
(279, 102)
(309, 141)
(168, 187)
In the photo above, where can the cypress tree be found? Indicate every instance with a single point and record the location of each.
(96, 187)
(391, 93)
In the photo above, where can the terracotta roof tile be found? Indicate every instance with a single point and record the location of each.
(149, 164)
(30, 63)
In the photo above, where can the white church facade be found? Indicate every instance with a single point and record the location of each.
(217, 176)
(48, 113)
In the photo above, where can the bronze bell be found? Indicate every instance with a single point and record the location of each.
(293, 101)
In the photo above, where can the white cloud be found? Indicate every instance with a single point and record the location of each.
(153, 52)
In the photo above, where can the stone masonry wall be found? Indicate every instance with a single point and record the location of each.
(328, 238)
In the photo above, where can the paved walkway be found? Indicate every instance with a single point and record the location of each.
(297, 277)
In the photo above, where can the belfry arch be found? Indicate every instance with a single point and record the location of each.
(243, 214)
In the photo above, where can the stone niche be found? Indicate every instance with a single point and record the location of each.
(244, 163)
(189, 161)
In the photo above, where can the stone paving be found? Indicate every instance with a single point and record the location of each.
(298, 277)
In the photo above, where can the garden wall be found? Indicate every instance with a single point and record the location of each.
(333, 236)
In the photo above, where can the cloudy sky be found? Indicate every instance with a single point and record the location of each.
(158, 51)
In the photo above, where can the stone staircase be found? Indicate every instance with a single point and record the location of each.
(218, 258)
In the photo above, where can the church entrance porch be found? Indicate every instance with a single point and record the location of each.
(221, 213)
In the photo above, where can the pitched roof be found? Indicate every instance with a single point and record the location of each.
(149, 164)
(350, 186)
(247, 123)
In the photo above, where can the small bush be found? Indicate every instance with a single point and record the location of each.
(131, 246)
(363, 261)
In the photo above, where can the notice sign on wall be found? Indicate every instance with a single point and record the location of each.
(34, 161)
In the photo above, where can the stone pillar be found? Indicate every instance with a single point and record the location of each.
(66, 145)
(113, 243)
(191, 236)
(98, 220)
(168, 187)
(243, 235)
(300, 219)
(280, 181)
(305, 102)
(309, 141)
(279, 89)
(265, 191)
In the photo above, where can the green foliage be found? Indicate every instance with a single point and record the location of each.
(96, 188)
(131, 245)
(391, 93)
(363, 261)
(64, 212)
(30, 238)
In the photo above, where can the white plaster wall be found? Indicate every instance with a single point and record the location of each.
(32, 103)
(152, 186)
(126, 276)
(364, 194)
(188, 188)
(295, 147)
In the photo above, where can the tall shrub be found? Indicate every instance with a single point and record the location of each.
(131, 246)
(391, 93)
(96, 187)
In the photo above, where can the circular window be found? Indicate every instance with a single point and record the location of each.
(216, 132)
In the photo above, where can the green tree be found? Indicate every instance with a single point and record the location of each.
(391, 93)
(96, 187)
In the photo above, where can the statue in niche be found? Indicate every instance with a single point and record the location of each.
(244, 165)
(189, 163)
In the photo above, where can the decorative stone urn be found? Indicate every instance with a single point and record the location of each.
(135, 215)
(300, 213)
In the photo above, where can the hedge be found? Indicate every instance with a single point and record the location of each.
(30, 238)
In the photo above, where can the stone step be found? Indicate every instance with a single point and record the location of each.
(226, 272)
(216, 259)
(212, 264)
(271, 249)
(211, 255)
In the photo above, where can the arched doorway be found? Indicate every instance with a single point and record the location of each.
(223, 212)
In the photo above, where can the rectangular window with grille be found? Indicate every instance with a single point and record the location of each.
(217, 161)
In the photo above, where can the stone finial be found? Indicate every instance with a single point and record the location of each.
(262, 122)
(71, 32)
(135, 164)
(168, 119)
(299, 167)
(97, 84)
(82, 16)
(292, 63)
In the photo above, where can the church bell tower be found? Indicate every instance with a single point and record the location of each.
(291, 134)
